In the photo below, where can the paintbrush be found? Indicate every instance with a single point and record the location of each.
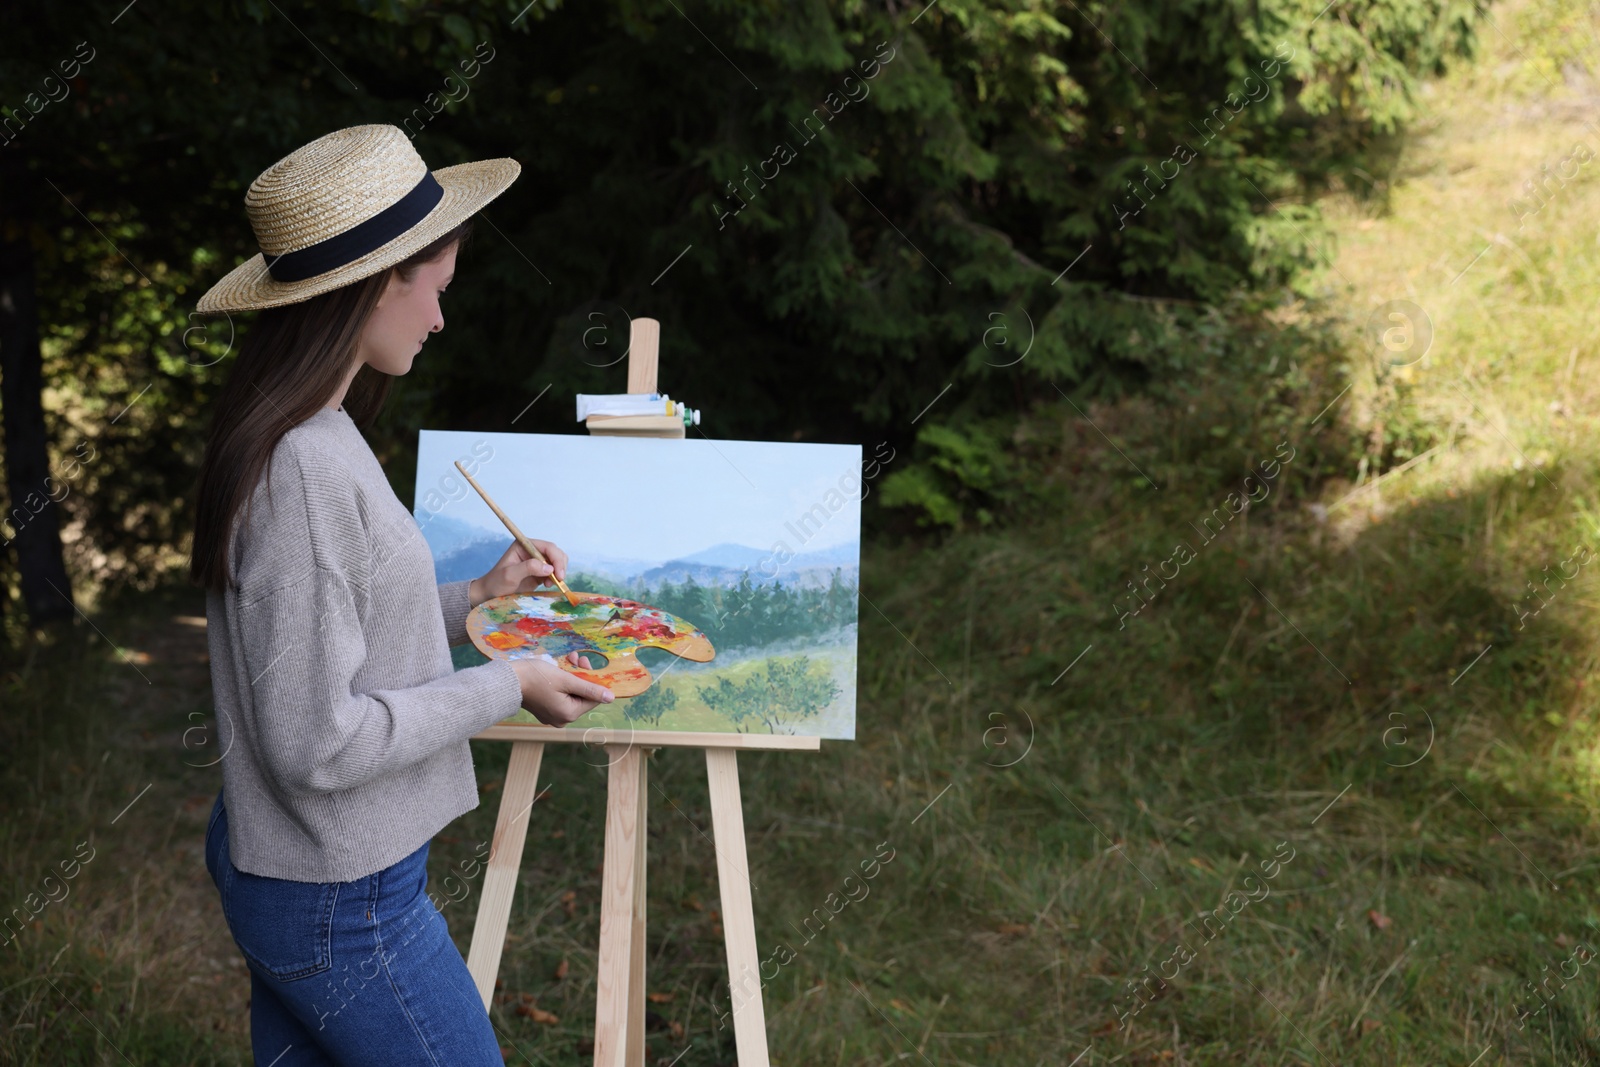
(527, 545)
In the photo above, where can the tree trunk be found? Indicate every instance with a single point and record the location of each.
(31, 520)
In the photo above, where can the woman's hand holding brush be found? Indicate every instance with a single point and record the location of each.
(516, 572)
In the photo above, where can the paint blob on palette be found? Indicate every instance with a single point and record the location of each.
(526, 625)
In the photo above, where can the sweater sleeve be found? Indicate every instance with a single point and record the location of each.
(315, 732)
(455, 604)
(306, 563)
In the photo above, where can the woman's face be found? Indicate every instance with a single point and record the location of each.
(406, 314)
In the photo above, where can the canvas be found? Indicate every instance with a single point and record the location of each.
(721, 576)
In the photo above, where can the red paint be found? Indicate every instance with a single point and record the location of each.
(642, 629)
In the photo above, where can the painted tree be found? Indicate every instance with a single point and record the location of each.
(789, 692)
(650, 705)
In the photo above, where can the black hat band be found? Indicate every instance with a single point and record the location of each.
(349, 246)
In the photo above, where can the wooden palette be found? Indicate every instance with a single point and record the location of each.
(524, 625)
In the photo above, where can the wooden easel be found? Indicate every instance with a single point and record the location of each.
(619, 1037)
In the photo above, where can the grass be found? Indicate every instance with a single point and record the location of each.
(1346, 671)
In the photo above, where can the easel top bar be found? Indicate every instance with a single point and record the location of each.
(607, 735)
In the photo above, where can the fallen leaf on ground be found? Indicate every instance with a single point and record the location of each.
(659, 998)
(537, 1014)
(1381, 921)
(561, 968)
(1013, 928)
(1369, 1025)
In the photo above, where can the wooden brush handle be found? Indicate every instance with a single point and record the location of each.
(527, 545)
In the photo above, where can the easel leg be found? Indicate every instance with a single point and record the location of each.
(505, 858)
(636, 986)
(623, 831)
(738, 914)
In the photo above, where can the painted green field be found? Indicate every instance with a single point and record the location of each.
(833, 660)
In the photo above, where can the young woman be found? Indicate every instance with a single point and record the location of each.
(344, 723)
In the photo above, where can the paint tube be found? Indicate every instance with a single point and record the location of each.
(623, 404)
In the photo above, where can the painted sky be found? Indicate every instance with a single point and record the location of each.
(644, 498)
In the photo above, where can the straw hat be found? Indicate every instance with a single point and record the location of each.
(343, 208)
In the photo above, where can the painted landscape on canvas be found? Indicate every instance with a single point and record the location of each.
(754, 543)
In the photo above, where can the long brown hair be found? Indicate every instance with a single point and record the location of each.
(288, 367)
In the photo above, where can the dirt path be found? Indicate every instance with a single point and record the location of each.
(187, 961)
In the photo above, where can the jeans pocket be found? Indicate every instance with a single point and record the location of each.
(283, 927)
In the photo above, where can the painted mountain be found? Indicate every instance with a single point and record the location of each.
(462, 550)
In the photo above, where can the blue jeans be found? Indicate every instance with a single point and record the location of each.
(360, 972)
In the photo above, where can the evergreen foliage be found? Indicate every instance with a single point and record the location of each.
(813, 285)
(756, 614)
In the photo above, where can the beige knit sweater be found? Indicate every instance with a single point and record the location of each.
(343, 721)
